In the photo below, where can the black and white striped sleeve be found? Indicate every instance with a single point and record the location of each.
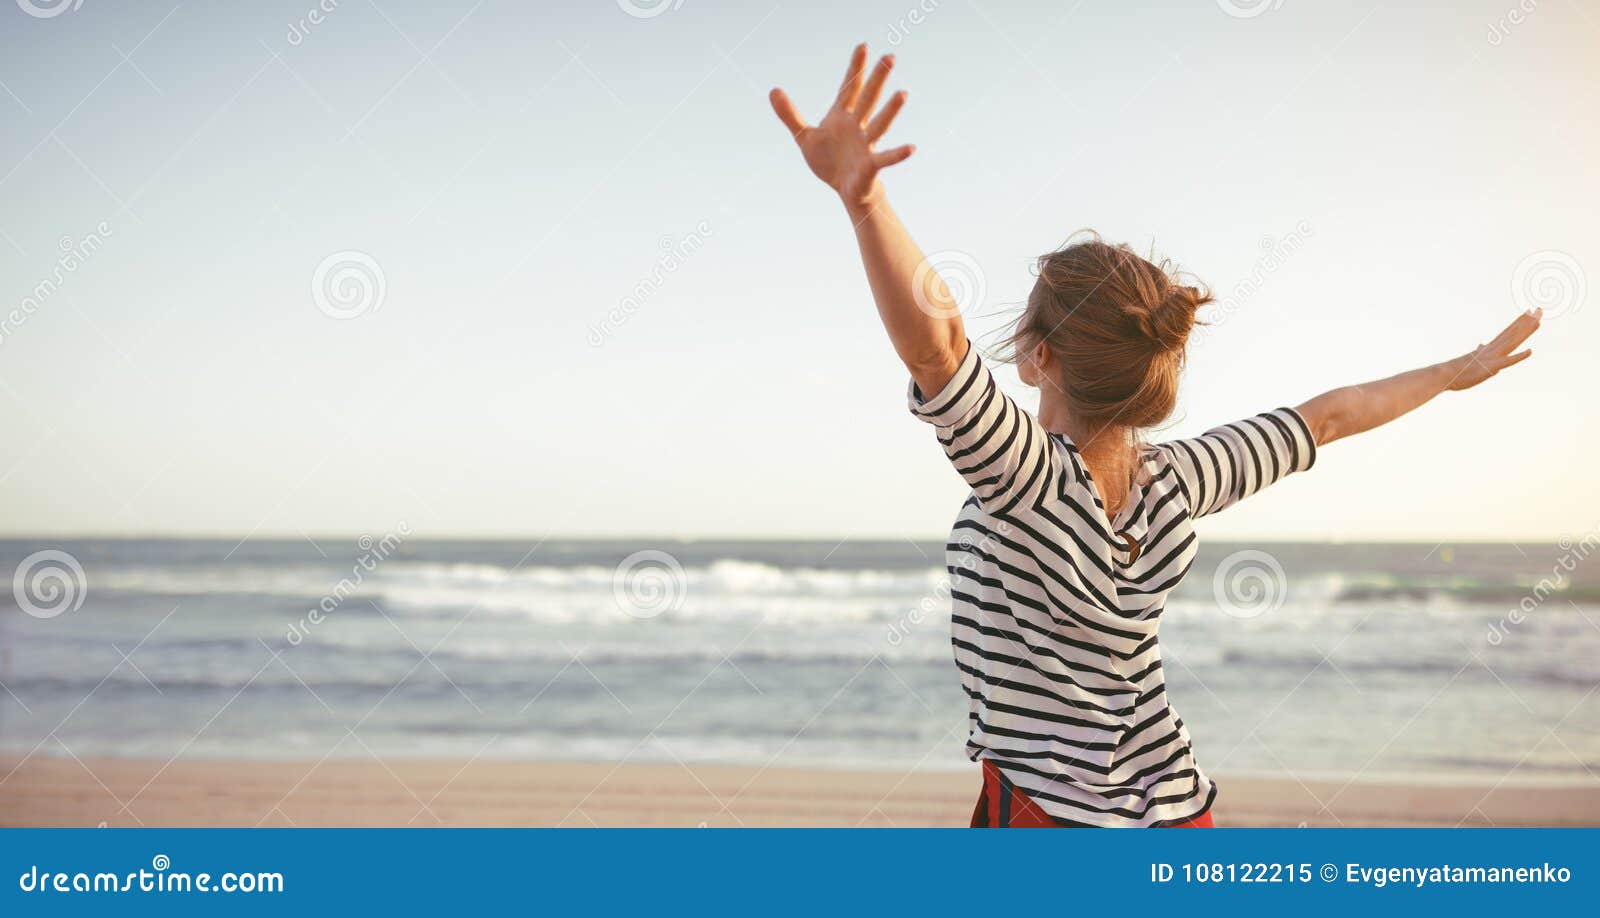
(1002, 451)
(1232, 462)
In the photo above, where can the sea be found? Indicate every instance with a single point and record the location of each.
(1414, 661)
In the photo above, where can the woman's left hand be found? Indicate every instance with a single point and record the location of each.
(1470, 369)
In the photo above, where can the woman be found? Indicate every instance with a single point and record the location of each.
(1076, 530)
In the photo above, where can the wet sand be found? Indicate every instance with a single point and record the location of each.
(47, 791)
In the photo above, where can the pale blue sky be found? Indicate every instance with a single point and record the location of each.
(515, 171)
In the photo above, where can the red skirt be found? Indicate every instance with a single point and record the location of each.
(1002, 806)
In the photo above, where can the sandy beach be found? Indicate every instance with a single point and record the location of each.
(45, 791)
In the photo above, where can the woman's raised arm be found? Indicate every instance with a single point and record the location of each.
(1356, 409)
(923, 320)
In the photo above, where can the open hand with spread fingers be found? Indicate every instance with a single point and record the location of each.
(1472, 368)
(1342, 412)
(842, 148)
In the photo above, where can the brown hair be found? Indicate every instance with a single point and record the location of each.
(1118, 325)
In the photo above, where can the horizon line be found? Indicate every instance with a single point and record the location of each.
(660, 537)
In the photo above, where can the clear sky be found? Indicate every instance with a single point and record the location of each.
(614, 301)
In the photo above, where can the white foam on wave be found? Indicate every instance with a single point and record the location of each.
(405, 580)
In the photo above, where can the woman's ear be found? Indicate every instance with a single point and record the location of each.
(1043, 358)
(1029, 366)
(1043, 361)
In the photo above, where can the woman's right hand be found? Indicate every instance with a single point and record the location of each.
(841, 149)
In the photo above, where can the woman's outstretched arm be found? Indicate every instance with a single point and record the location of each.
(921, 317)
(1356, 409)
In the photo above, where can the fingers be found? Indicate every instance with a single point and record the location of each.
(1513, 360)
(851, 87)
(1484, 370)
(886, 158)
(885, 116)
(874, 87)
(1516, 333)
(786, 112)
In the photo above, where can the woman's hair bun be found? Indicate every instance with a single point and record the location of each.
(1168, 320)
(1118, 325)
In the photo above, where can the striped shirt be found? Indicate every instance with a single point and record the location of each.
(1054, 615)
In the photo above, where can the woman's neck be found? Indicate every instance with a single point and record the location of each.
(1103, 440)
(1107, 449)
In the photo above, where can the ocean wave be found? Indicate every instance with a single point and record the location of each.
(726, 589)
(1400, 662)
(490, 666)
(496, 667)
(1472, 593)
(309, 580)
(793, 647)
